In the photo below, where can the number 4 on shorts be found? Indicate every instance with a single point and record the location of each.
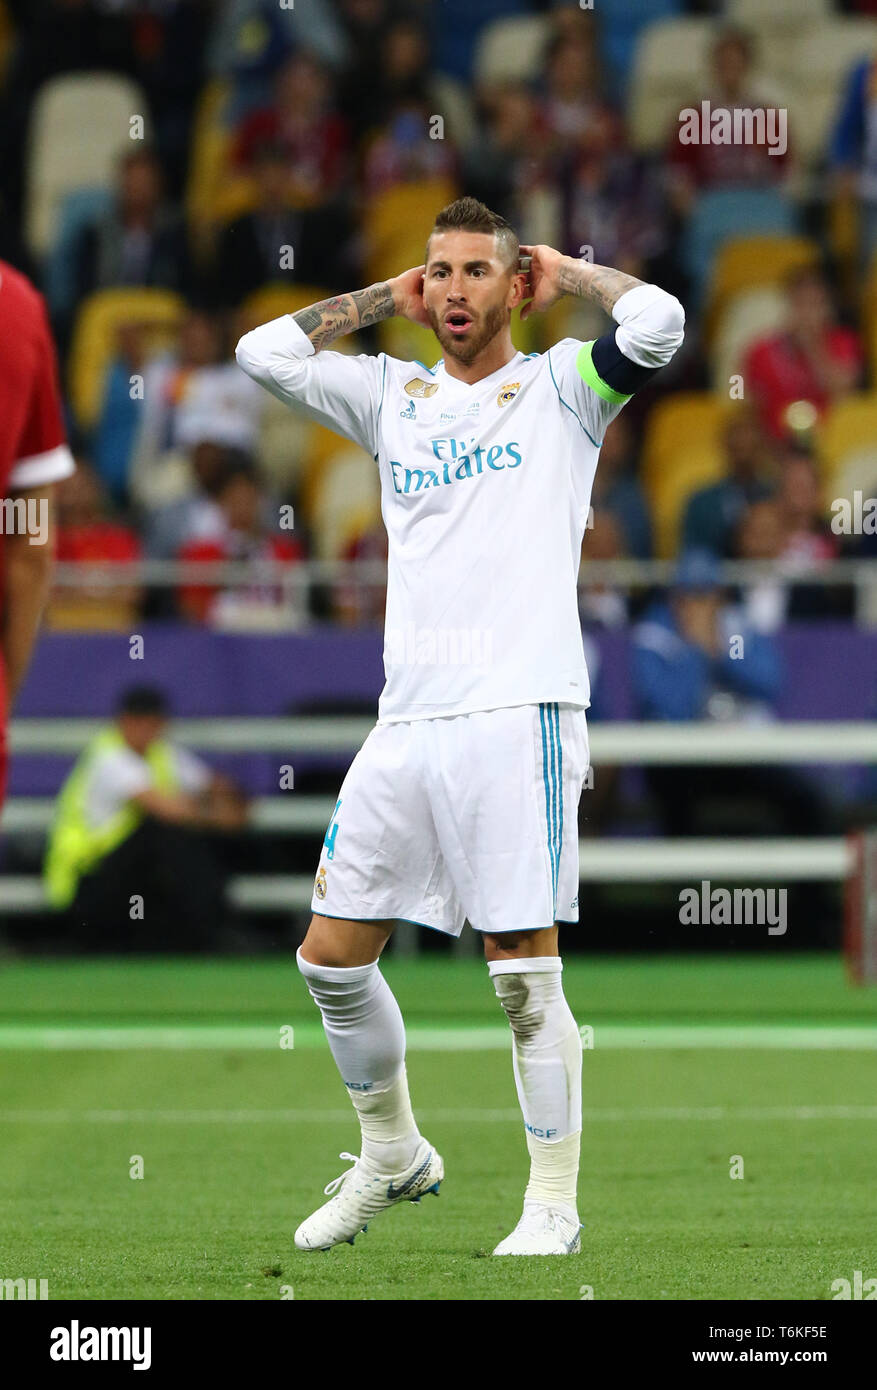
(331, 832)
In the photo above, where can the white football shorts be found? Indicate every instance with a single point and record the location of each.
(471, 816)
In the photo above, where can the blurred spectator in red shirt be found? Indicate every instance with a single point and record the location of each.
(89, 535)
(86, 533)
(695, 168)
(244, 535)
(814, 360)
(303, 123)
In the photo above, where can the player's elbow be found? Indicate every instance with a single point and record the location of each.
(246, 357)
(668, 317)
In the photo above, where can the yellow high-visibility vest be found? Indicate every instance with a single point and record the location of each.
(75, 847)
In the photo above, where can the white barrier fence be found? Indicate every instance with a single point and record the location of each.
(624, 744)
(604, 861)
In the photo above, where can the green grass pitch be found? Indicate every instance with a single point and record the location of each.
(238, 1135)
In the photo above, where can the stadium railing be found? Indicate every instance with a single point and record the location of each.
(604, 861)
(294, 581)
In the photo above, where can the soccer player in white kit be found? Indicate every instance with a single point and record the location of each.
(462, 802)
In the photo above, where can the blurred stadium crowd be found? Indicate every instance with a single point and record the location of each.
(287, 153)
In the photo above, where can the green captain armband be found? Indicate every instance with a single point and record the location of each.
(588, 372)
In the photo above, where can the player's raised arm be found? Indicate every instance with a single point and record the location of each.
(342, 392)
(605, 373)
(401, 296)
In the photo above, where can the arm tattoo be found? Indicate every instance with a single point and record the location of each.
(344, 313)
(598, 282)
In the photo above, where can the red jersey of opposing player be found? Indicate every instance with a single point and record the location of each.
(33, 451)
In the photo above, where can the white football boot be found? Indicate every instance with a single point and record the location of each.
(543, 1230)
(361, 1193)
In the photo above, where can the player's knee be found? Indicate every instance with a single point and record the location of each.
(341, 945)
(319, 948)
(522, 1005)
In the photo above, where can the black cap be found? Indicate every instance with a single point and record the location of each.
(143, 699)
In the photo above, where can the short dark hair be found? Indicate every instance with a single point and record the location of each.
(468, 215)
(143, 700)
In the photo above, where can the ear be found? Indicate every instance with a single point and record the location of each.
(518, 289)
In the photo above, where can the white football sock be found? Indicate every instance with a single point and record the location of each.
(367, 1038)
(547, 1060)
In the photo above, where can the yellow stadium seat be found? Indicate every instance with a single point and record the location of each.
(211, 141)
(749, 263)
(409, 341)
(849, 427)
(397, 224)
(347, 499)
(680, 425)
(273, 301)
(91, 613)
(694, 467)
(869, 317)
(857, 473)
(96, 338)
(569, 317)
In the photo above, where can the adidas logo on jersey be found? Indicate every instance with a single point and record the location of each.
(409, 413)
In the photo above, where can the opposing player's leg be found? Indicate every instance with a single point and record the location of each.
(378, 841)
(547, 1060)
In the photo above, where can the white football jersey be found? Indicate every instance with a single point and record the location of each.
(485, 492)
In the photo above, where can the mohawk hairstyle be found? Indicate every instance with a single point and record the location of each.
(468, 215)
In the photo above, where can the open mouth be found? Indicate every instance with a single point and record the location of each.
(457, 321)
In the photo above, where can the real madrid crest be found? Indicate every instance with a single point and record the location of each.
(508, 393)
(320, 885)
(417, 387)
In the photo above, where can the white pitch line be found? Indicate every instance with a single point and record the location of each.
(476, 1115)
(645, 1037)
